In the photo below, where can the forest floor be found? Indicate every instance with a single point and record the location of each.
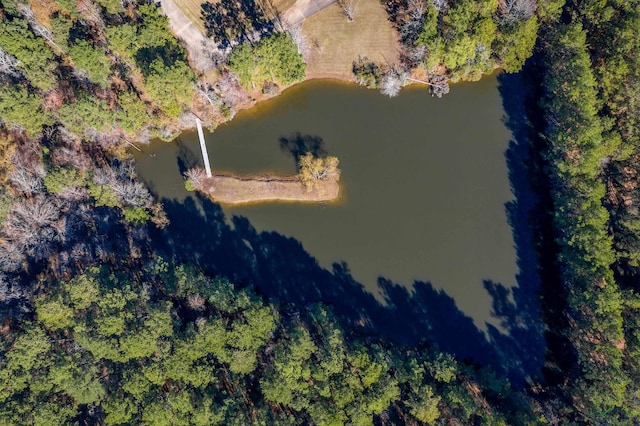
(254, 189)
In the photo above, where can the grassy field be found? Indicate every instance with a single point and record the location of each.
(336, 43)
(193, 8)
(282, 5)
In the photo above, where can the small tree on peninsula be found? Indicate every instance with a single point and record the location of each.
(313, 169)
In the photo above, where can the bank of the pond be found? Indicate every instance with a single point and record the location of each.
(257, 97)
(236, 190)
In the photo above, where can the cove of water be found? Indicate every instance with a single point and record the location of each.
(423, 189)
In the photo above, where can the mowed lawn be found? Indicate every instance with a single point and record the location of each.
(193, 8)
(335, 42)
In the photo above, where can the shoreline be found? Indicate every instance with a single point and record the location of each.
(235, 190)
(258, 97)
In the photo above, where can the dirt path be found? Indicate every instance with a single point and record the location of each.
(198, 45)
(303, 9)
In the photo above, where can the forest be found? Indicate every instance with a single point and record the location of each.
(100, 324)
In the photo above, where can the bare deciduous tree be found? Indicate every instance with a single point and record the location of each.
(31, 227)
(412, 56)
(8, 63)
(196, 176)
(187, 119)
(25, 182)
(413, 22)
(131, 193)
(73, 193)
(439, 85)
(217, 56)
(206, 91)
(513, 11)
(70, 156)
(12, 299)
(392, 82)
(229, 88)
(144, 137)
(304, 48)
(349, 8)
(9, 292)
(10, 257)
(60, 228)
(106, 140)
(121, 178)
(440, 5)
(36, 212)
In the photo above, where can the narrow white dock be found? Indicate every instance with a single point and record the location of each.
(203, 147)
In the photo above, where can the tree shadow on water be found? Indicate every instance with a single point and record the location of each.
(187, 159)
(280, 268)
(298, 144)
(525, 310)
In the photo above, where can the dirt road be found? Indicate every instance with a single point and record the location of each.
(303, 9)
(198, 45)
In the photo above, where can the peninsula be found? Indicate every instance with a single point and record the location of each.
(316, 181)
(255, 189)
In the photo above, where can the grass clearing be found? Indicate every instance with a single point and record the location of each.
(192, 9)
(336, 43)
(280, 5)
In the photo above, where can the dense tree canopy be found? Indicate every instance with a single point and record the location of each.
(471, 38)
(21, 109)
(75, 57)
(35, 59)
(590, 159)
(576, 154)
(171, 346)
(274, 58)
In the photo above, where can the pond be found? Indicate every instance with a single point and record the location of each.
(423, 186)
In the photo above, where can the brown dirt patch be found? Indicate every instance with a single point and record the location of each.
(255, 189)
(336, 43)
(42, 10)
